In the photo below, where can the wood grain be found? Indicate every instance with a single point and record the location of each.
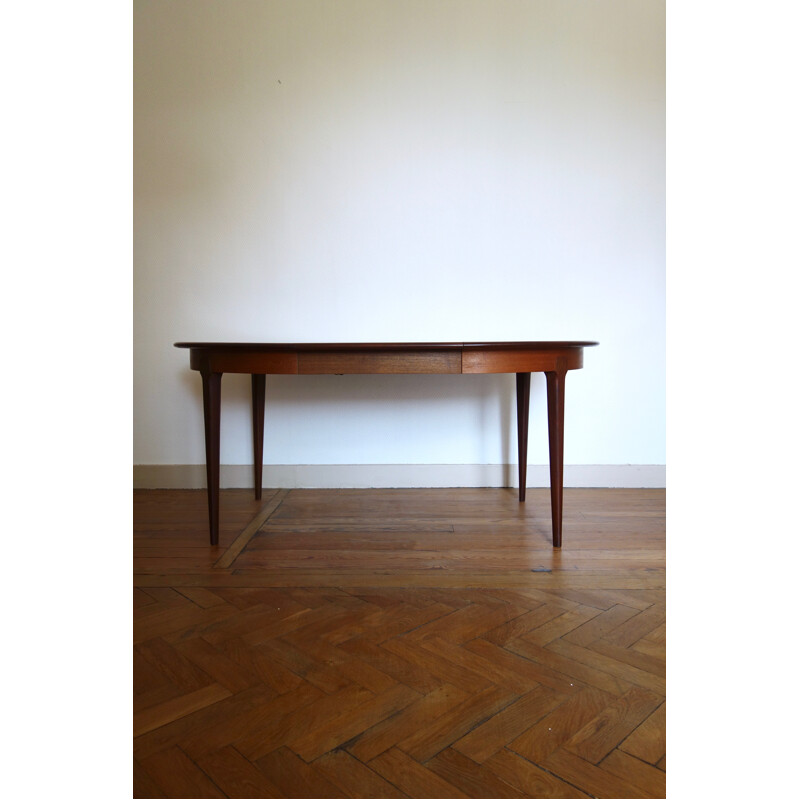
(489, 361)
(438, 362)
(390, 643)
(242, 540)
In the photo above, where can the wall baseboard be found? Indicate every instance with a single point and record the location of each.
(364, 476)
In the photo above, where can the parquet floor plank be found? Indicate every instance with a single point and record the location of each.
(597, 627)
(528, 670)
(295, 778)
(467, 775)
(204, 725)
(216, 664)
(156, 716)
(257, 662)
(411, 777)
(170, 663)
(393, 643)
(281, 622)
(251, 619)
(178, 776)
(598, 737)
(422, 578)
(637, 627)
(653, 662)
(457, 722)
(364, 674)
(155, 697)
(170, 620)
(242, 598)
(353, 777)
(656, 636)
(146, 677)
(159, 608)
(398, 668)
(553, 730)
(415, 717)
(272, 502)
(495, 733)
(592, 779)
(648, 742)
(594, 659)
(516, 676)
(202, 597)
(331, 733)
(316, 671)
(235, 775)
(390, 622)
(249, 727)
(433, 662)
(465, 623)
(301, 721)
(568, 667)
(561, 625)
(646, 647)
(530, 779)
(545, 593)
(144, 785)
(524, 623)
(141, 598)
(651, 781)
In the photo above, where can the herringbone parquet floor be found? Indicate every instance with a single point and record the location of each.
(399, 643)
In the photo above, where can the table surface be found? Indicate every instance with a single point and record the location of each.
(384, 345)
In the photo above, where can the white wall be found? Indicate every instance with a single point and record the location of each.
(378, 170)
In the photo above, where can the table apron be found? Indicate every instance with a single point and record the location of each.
(253, 363)
(483, 361)
(435, 362)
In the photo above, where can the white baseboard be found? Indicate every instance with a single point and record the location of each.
(364, 476)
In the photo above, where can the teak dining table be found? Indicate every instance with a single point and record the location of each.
(555, 359)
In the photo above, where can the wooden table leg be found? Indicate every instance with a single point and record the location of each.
(555, 424)
(259, 386)
(523, 413)
(211, 412)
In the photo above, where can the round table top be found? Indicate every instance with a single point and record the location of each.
(299, 346)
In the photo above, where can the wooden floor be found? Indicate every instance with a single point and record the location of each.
(399, 643)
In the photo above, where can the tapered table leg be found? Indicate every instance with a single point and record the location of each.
(555, 424)
(259, 386)
(523, 409)
(211, 412)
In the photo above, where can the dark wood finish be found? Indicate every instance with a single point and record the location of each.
(308, 347)
(399, 642)
(519, 360)
(258, 359)
(523, 414)
(246, 361)
(555, 422)
(432, 362)
(211, 412)
(259, 382)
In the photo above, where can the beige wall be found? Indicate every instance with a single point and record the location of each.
(374, 171)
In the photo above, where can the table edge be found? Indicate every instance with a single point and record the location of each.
(338, 346)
